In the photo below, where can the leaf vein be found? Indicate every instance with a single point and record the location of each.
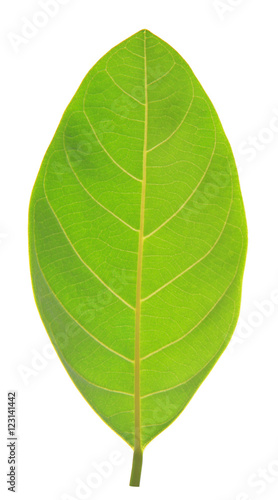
(80, 258)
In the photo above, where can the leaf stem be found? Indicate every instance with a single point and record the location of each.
(136, 467)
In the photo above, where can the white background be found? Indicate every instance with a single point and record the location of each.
(225, 444)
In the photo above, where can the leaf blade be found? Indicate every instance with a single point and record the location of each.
(137, 238)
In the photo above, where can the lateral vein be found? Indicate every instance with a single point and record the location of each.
(79, 256)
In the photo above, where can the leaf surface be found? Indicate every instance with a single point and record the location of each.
(138, 238)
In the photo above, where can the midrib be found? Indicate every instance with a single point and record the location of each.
(137, 443)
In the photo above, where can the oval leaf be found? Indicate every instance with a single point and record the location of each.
(138, 239)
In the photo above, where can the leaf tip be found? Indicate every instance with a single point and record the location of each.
(144, 32)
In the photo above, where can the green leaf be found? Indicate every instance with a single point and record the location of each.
(138, 239)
